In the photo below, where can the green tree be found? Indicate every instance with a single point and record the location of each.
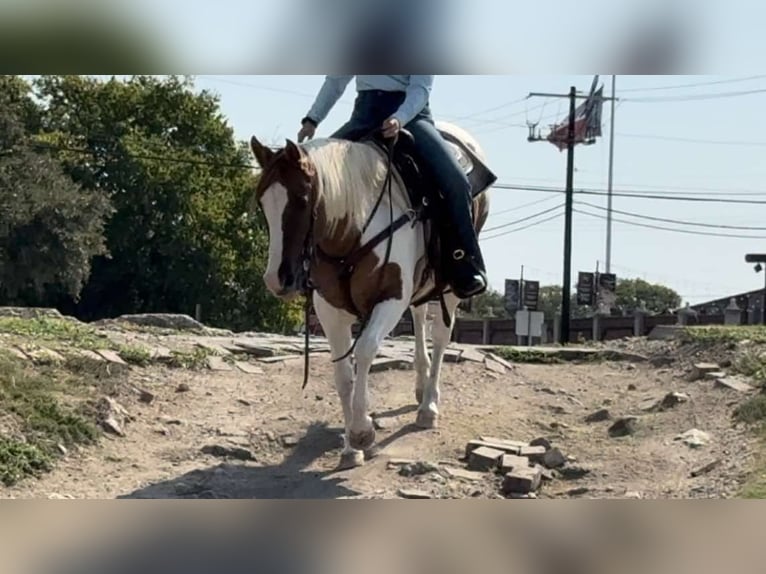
(177, 178)
(636, 293)
(490, 303)
(550, 303)
(50, 227)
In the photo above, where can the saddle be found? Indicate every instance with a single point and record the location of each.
(425, 196)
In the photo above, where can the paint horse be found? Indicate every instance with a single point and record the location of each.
(355, 226)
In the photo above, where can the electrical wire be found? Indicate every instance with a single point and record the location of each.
(685, 231)
(523, 219)
(673, 221)
(529, 226)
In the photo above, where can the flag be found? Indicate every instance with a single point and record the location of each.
(587, 122)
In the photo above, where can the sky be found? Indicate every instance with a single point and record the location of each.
(701, 141)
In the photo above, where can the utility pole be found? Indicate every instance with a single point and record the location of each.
(566, 288)
(609, 186)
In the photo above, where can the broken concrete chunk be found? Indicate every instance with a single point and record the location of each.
(218, 364)
(507, 447)
(733, 384)
(700, 370)
(414, 494)
(484, 459)
(534, 453)
(511, 462)
(462, 474)
(494, 366)
(522, 481)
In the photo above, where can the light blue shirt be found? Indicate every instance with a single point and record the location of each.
(416, 88)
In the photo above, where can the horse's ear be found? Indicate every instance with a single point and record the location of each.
(262, 153)
(293, 152)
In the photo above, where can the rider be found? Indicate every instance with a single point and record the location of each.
(391, 103)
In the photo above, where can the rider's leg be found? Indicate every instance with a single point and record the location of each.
(467, 274)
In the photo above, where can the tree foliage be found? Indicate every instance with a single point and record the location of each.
(50, 227)
(635, 294)
(178, 183)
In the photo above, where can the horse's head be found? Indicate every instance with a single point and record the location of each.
(286, 193)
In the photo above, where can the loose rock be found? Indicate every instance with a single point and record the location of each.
(694, 438)
(543, 442)
(625, 426)
(599, 416)
(573, 473)
(553, 459)
(508, 447)
(417, 469)
(706, 468)
(672, 400)
(183, 388)
(221, 451)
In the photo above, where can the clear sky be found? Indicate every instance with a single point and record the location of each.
(665, 144)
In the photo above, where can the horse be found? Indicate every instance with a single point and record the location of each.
(347, 229)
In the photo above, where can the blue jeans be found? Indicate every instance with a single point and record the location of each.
(371, 109)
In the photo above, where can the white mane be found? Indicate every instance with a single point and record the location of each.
(351, 176)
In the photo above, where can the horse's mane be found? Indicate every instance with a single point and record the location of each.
(351, 176)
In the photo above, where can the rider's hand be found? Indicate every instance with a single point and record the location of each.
(307, 131)
(391, 127)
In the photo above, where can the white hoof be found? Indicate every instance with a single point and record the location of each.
(427, 420)
(351, 459)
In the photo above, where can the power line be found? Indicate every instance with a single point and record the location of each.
(693, 85)
(695, 97)
(693, 140)
(535, 224)
(523, 219)
(522, 206)
(686, 231)
(671, 196)
(675, 221)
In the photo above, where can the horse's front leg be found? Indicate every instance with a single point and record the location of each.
(441, 333)
(384, 318)
(337, 326)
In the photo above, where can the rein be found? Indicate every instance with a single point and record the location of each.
(350, 262)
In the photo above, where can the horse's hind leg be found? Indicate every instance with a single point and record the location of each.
(428, 412)
(337, 326)
(384, 318)
(422, 360)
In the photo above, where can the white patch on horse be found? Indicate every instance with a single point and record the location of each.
(350, 176)
(273, 203)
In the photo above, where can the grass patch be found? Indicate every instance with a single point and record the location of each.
(724, 334)
(751, 364)
(752, 411)
(531, 356)
(38, 404)
(136, 355)
(53, 329)
(195, 360)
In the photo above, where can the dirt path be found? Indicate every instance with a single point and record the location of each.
(294, 437)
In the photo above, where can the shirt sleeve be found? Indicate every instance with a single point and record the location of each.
(328, 96)
(418, 92)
